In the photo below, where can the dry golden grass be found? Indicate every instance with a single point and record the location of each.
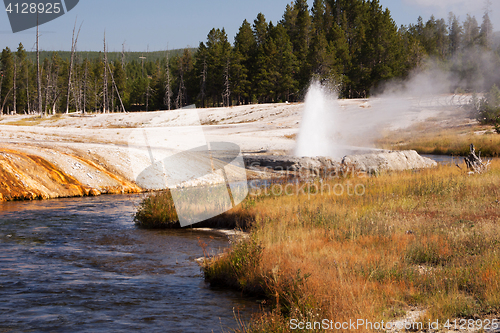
(444, 141)
(34, 120)
(291, 136)
(428, 239)
(31, 121)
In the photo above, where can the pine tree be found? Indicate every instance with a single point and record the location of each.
(471, 32)
(7, 80)
(218, 53)
(286, 65)
(167, 99)
(260, 29)
(412, 51)
(120, 83)
(22, 80)
(200, 73)
(318, 18)
(455, 34)
(486, 32)
(242, 61)
(297, 22)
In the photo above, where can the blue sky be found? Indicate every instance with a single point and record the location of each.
(154, 24)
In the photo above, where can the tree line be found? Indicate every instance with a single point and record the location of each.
(352, 44)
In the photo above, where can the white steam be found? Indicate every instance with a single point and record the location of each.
(334, 128)
(318, 123)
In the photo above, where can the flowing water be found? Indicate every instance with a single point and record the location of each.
(81, 265)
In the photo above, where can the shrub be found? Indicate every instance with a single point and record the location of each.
(157, 211)
(489, 107)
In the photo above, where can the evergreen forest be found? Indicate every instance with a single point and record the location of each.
(353, 44)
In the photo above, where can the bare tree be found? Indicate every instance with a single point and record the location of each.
(5, 100)
(28, 89)
(1, 82)
(77, 89)
(85, 76)
(123, 54)
(38, 79)
(71, 62)
(55, 92)
(180, 95)
(168, 88)
(226, 96)
(147, 96)
(48, 70)
(14, 84)
(116, 88)
(105, 102)
(51, 91)
(203, 81)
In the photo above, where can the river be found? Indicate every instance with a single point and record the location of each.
(81, 265)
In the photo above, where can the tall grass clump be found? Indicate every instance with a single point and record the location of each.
(157, 211)
(427, 239)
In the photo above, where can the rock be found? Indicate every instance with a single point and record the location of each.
(26, 176)
(391, 161)
(290, 163)
(370, 163)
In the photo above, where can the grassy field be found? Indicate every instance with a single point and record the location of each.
(363, 248)
(444, 141)
(428, 240)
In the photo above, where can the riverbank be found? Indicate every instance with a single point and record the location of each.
(425, 240)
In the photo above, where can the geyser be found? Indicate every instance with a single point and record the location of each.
(319, 126)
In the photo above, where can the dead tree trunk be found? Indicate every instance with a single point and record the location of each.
(117, 92)
(48, 70)
(15, 84)
(203, 82)
(28, 90)
(105, 102)
(1, 82)
(168, 89)
(71, 61)
(5, 101)
(77, 90)
(227, 89)
(85, 87)
(123, 55)
(474, 163)
(55, 91)
(180, 96)
(38, 78)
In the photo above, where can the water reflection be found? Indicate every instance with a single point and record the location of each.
(81, 265)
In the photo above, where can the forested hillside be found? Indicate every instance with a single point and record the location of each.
(353, 44)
